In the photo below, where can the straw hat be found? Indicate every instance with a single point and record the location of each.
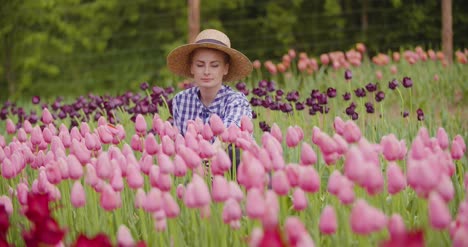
(239, 65)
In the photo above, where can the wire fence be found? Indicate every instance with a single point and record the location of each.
(151, 55)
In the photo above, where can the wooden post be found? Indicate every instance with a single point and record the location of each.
(193, 19)
(447, 33)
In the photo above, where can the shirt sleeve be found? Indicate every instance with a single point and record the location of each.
(175, 113)
(237, 107)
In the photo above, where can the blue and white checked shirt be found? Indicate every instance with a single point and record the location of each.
(229, 105)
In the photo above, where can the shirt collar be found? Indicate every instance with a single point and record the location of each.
(219, 96)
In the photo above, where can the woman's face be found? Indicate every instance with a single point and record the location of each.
(208, 67)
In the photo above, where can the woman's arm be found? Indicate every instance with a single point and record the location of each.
(237, 107)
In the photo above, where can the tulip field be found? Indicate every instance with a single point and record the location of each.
(343, 149)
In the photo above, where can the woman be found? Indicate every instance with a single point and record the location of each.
(209, 61)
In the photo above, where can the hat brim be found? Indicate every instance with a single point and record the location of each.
(239, 65)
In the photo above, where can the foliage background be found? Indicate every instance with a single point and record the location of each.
(76, 47)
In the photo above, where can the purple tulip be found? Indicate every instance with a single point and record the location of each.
(347, 96)
(405, 114)
(371, 87)
(331, 92)
(407, 82)
(393, 84)
(348, 75)
(380, 96)
(36, 100)
(241, 86)
(360, 92)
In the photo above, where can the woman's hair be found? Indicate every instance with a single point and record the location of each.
(227, 58)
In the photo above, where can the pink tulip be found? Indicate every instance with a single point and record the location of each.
(22, 193)
(75, 134)
(231, 211)
(158, 125)
(346, 194)
(375, 181)
(36, 136)
(180, 191)
(180, 168)
(207, 150)
(354, 165)
(105, 136)
(309, 180)
(280, 183)
(294, 229)
(136, 143)
(220, 163)
(293, 172)
(292, 137)
(220, 189)
(79, 150)
(457, 150)
(167, 145)
(396, 180)
(164, 182)
(276, 132)
(140, 198)
(124, 237)
(396, 226)
(255, 204)
(391, 147)
(206, 132)
(201, 191)
(446, 189)
(191, 158)
(65, 138)
(78, 196)
(366, 219)
(335, 182)
(103, 166)
(339, 125)
(145, 163)
(109, 199)
(21, 135)
(250, 172)
(53, 173)
(165, 164)
(217, 125)
(75, 170)
(151, 145)
(8, 169)
(299, 199)
(308, 156)
(116, 181)
(439, 213)
(442, 138)
(153, 201)
(351, 132)
(170, 206)
(91, 177)
(235, 191)
(460, 141)
(140, 125)
(191, 141)
(460, 238)
(46, 116)
(27, 126)
(328, 223)
(5, 201)
(160, 225)
(246, 124)
(134, 178)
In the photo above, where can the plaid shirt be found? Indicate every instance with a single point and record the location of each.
(229, 105)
